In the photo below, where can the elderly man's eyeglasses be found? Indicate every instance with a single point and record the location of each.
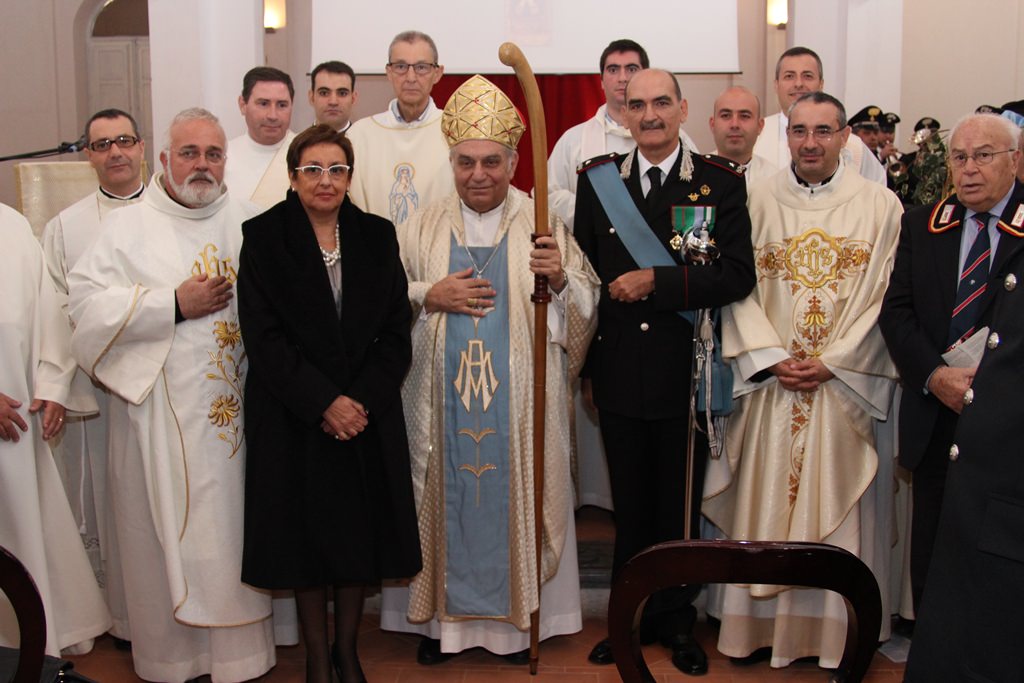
(420, 68)
(314, 172)
(122, 141)
(983, 158)
(214, 157)
(821, 133)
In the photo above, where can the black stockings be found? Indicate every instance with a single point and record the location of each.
(348, 611)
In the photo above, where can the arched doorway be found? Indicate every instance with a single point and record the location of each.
(118, 63)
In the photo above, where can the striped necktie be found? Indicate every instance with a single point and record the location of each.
(972, 285)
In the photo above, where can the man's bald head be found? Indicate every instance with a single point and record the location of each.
(736, 123)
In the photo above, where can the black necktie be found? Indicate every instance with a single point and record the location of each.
(973, 282)
(654, 174)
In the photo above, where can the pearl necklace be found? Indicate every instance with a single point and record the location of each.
(331, 257)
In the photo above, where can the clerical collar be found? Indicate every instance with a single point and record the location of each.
(133, 195)
(466, 209)
(813, 186)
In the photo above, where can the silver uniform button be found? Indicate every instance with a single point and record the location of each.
(969, 397)
(993, 340)
(954, 452)
(611, 231)
(644, 327)
(1010, 283)
(598, 337)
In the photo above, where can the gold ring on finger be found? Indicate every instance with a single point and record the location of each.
(471, 302)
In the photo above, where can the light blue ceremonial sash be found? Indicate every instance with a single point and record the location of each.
(648, 251)
(476, 438)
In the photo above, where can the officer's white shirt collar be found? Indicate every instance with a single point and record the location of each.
(666, 165)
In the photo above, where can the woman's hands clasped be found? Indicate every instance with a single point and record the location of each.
(345, 418)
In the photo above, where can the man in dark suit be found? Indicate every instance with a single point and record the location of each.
(972, 614)
(945, 264)
(639, 362)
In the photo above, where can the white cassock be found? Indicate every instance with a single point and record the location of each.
(258, 172)
(773, 145)
(36, 524)
(425, 243)
(177, 454)
(399, 165)
(803, 466)
(596, 136)
(81, 451)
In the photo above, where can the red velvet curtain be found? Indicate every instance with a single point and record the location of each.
(568, 99)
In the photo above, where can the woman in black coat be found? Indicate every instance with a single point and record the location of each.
(325, 319)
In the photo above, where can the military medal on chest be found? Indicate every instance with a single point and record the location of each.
(692, 226)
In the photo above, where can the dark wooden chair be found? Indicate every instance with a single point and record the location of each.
(21, 590)
(812, 565)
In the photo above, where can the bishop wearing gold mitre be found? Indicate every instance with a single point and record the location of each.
(468, 398)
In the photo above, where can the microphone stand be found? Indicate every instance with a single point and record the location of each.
(62, 148)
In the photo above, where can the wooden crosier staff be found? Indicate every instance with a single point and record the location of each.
(511, 55)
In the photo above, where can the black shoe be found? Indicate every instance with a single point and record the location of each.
(429, 652)
(336, 663)
(122, 644)
(761, 654)
(601, 654)
(518, 658)
(688, 656)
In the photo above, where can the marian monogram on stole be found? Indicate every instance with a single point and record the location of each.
(814, 264)
(476, 381)
(229, 358)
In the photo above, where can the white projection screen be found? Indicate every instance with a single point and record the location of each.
(557, 36)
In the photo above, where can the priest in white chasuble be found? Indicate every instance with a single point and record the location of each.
(36, 371)
(469, 401)
(156, 323)
(800, 460)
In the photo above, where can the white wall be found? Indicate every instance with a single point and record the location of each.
(958, 55)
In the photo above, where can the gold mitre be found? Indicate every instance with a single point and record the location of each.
(479, 110)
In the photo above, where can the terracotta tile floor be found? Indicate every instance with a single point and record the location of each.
(391, 658)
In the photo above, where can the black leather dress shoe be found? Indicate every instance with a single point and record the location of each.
(601, 654)
(688, 656)
(518, 658)
(429, 652)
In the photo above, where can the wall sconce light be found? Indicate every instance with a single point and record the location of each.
(273, 15)
(778, 13)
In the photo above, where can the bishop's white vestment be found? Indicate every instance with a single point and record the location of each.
(36, 524)
(400, 165)
(457, 598)
(177, 455)
(803, 466)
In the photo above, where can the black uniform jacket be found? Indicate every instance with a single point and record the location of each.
(640, 358)
(971, 623)
(918, 305)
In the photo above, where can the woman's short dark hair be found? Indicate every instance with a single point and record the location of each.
(316, 135)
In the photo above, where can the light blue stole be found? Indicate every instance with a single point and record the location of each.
(476, 438)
